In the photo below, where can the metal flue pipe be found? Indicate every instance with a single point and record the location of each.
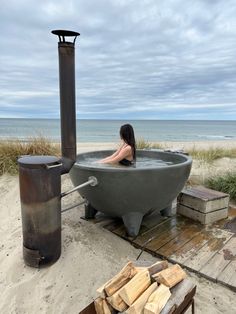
(66, 51)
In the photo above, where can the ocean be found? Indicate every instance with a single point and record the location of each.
(108, 130)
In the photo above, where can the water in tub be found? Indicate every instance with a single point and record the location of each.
(141, 162)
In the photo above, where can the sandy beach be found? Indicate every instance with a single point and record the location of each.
(90, 254)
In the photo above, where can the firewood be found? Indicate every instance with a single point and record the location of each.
(170, 276)
(101, 292)
(107, 308)
(116, 302)
(157, 267)
(138, 305)
(157, 300)
(141, 268)
(135, 287)
(98, 304)
(119, 280)
(178, 294)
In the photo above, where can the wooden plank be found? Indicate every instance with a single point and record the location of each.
(178, 241)
(229, 249)
(135, 287)
(178, 294)
(203, 199)
(116, 302)
(202, 217)
(151, 221)
(214, 266)
(120, 279)
(157, 300)
(138, 305)
(113, 225)
(98, 306)
(170, 276)
(198, 260)
(228, 275)
(190, 248)
(165, 237)
(158, 230)
(157, 267)
(121, 231)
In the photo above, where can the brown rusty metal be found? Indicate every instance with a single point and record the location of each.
(67, 98)
(31, 257)
(40, 191)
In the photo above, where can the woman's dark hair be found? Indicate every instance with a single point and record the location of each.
(127, 134)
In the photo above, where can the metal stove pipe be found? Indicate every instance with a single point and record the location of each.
(67, 98)
(40, 176)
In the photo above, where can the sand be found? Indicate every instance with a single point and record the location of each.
(90, 256)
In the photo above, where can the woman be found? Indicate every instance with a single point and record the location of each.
(126, 153)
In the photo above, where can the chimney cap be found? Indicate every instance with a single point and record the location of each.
(62, 33)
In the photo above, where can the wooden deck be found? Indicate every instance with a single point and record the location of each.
(209, 251)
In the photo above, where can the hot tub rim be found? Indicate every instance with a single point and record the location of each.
(188, 161)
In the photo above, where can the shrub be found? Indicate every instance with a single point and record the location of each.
(225, 183)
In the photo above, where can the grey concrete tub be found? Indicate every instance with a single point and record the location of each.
(132, 192)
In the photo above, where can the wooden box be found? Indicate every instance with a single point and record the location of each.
(202, 204)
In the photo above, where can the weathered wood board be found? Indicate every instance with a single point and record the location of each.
(203, 218)
(228, 275)
(197, 247)
(213, 268)
(204, 254)
(203, 199)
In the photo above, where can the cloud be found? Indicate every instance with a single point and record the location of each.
(147, 59)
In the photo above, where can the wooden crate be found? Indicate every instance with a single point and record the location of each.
(203, 205)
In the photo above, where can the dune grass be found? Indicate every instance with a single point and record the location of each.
(10, 151)
(143, 144)
(225, 183)
(211, 154)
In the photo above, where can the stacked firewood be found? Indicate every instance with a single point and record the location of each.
(136, 290)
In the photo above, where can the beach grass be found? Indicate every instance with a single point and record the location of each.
(212, 153)
(225, 183)
(10, 151)
(143, 144)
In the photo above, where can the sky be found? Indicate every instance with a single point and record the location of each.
(134, 59)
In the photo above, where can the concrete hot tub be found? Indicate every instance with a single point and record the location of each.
(132, 192)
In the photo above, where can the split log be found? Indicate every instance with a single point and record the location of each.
(157, 267)
(101, 292)
(116, 302)
(157, 300)
(102, 307)
(135, 287)
(170, 276)
(138, 305)
(154, 268)
(107, 308)
(119, 280)
(141, 268)
(98, 304)
(178, 294)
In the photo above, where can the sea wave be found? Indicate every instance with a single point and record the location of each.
(223, 137)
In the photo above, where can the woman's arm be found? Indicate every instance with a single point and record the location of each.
(113, 155)
(123, 153)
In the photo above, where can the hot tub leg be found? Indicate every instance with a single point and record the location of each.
(132, 222)
(89, 211)
(167, 212)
